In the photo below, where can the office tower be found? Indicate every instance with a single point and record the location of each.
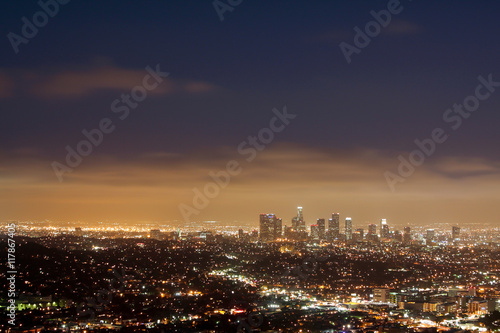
(329, 233)
(322, 227)
(266, 227)
(301, 224)
(398, 236)
(384, 229)
(407, 235)
(294, 223)
(241, 233)
(372, 233)
(155, 234)
(314, 231)
(348, 228)
(361, 234)
(78, 232)
(381, 295)
(431, 233)
(455, 233)
(278, 228)
(372, 229)
(208, 235)
(334, 225)
(300, 216)
(270, 227)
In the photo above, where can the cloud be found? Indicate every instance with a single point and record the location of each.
(297, 165)
(462, 168)
(152, 185)
(6, 86)
(395, 28)
(76, 83)
(401, 27)
(333, 36)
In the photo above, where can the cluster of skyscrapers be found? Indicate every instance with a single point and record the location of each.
(271, 228)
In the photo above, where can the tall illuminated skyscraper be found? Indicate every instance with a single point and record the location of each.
(455, 233)
(315, 233)
(300, 224)
(372, 229)
(270, 227)
(407, 235)
(348, 228)
(277, 229)
(384, 229)
(360, 234)
(321, 228)
(430, 235)
(300, 216)
(334, 225)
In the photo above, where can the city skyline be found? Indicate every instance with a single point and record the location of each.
(287, 220)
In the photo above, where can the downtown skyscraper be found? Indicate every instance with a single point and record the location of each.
(321, 228)
(270, 227)
(334, 225)
(384, 229)
(348, 228)
(298, 223)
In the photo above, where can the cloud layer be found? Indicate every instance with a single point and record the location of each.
(79, 83)
(152, 186)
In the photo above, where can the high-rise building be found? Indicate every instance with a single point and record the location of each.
(360, 234)
(348, 228)
(372, 233)
(372, 229)
(78, 232)
(407, 235)
(266, 227)
(155, 234)
(321, 227)
(278, 229)
(270, 227)
(381, 295)
(384, 229)
(300, 215)
(298, 223)
(315, 231)
(455, 233)
(430, 235)
(398, 236)
(334, 225)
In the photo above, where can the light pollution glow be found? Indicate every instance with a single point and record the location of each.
(151, 187)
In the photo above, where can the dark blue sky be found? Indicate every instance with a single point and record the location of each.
(263, 55)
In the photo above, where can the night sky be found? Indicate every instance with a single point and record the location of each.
(352, 120)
